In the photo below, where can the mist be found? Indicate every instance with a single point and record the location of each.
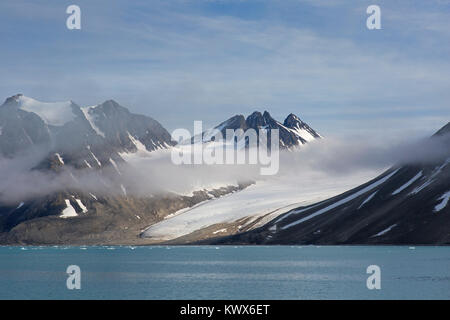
(154, 173)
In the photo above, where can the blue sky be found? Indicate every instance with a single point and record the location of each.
(181, 60)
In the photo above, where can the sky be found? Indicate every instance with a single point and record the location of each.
(184, 60)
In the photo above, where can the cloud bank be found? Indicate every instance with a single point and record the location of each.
(154, 174)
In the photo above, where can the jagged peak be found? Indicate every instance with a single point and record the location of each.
(111, 106)
(255, 114)
(266, 114)
(259, 119)
(269, 120)
(110, 102)
(292, 117)
(292, 121)
(255, 119)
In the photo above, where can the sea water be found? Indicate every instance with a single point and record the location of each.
(225, 272)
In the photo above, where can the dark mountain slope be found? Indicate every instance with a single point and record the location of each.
(408, 204)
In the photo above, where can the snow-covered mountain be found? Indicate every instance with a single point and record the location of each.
(73, 146)
(125, 130)
(81, 137)
(292, 132)
(408, 204)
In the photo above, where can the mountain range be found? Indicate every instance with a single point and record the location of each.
(73, 144)
(407, 204)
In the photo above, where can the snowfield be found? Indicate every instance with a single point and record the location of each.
(53, 113)
(272, 196)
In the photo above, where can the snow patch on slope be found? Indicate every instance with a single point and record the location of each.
(303, 133)
(115, 165)
(91, 120)
(69, 211)
(384, 231)
(444, 201)
(431, 179)
(124, 190)
(342, 201)
(60, 159)
(407, 184)
(141, 148)
(81, 205)
(367, 199)
(93, 155)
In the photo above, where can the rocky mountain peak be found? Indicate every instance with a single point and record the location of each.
(267, 115)
(255, 120)
(111, 108)
(295, 134)
(292, 120)
(269, 121)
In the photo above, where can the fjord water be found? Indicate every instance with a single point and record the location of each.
(226, 272)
